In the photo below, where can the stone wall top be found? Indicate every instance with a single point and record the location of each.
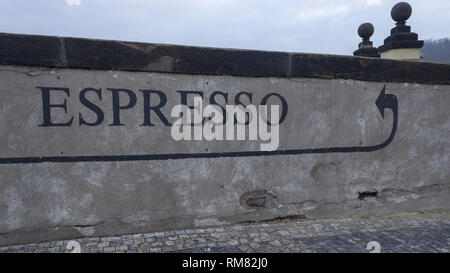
(51, 51)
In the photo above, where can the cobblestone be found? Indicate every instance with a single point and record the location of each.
(406, 232)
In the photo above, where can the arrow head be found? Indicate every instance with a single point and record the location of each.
(381, 101)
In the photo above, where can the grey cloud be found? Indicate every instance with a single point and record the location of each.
(324, 26)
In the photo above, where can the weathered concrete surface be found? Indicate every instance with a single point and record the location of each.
(45, 201)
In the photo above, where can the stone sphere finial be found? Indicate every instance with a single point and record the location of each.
(366, 30)
(401, 12)
(401, 36)
(365, 48)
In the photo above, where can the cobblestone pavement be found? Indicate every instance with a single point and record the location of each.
(407, 232)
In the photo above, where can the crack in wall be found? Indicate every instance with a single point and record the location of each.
(31, 73)
(62, 52)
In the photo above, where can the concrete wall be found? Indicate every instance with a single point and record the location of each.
(337, 156)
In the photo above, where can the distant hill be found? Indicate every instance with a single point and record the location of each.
(436, 50)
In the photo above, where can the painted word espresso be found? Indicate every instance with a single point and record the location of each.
(153, 104)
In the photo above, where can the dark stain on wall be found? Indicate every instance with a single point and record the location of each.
(49, 51)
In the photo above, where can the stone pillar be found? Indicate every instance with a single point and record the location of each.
(365, 48)
(402, 44)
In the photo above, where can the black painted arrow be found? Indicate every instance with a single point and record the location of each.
(383, 101)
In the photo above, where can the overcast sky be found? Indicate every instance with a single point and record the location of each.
(320, 26)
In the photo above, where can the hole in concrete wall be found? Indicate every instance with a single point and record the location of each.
(258, 199)
(256, 202)
(367, 194)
